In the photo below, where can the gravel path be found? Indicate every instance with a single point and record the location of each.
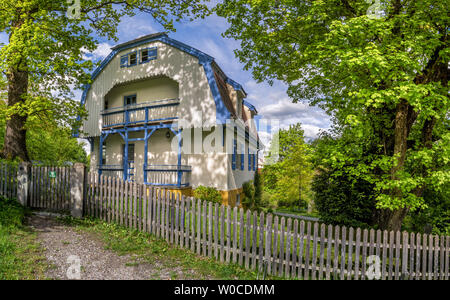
(64, 248)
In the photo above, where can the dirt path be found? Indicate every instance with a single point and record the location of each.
(63, 243)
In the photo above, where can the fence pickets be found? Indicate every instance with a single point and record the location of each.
(269, 244)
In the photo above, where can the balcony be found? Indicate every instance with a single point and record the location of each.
(157, 175)
(141, 113)
(111, 170)
(168, 175)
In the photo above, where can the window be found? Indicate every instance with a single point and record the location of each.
(124, 61)
(128, 60)
(234, 154)
(142, 55)
(238, 199)
(106, 104)
(250, 156)
(133, 59)
(242, 156)
(148, 54)
(129, 100)
(254, 162)
(104, 154)
(130, 152)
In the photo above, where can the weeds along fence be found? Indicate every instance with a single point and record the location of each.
(268, 244)
(8, 180)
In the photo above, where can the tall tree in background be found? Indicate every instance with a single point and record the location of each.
(380, 70)
(287, 176)
(43, 60)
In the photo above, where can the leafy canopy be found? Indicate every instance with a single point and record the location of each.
(50, 47)
(361, 69)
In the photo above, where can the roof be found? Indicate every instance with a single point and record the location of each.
(140, 39)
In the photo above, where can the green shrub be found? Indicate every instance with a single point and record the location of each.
(11, 213)
(249, 192)
(343, 200)
(210, 194)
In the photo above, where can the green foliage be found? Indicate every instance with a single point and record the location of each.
(249, 192)
(208, 194)
(12, 214)
(343, 200)
(288, 179)
(20, 256)
(382, 79)
(48, 142)
(44, 60)
(436, 215)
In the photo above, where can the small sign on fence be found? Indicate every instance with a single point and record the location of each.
(52, 174)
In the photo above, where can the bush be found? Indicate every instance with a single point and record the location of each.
(12, 213)
(436, 215)
(343, 200)
(249, 192)
(208, 194)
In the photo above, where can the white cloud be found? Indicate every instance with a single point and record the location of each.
(102, 51)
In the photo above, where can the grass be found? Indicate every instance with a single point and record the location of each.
(146, 248)
(298, 213)
(20, 254)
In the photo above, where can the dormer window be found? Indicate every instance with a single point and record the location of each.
(133, 59)
(128, 60)
(142, 56)
(147, 54)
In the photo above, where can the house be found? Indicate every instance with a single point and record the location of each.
(163, 113)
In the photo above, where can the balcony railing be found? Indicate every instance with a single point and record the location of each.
(158, 175)
(168, 175)
(111, 170)
(141, 113)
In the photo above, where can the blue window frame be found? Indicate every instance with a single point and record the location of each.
(250, 156)
(129, 100)
(124, 61)
(242, 156)
(233, 164)
(140, 56)
(132, 58)
(129, 59)
(254, 162)
(148, 54)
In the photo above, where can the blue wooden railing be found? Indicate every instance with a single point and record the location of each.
(141, 113)
(159, 175)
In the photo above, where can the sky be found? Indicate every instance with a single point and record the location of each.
(272, 102)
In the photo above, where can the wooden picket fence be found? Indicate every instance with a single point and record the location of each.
(274, 245)
(279, 246)
(8, 180)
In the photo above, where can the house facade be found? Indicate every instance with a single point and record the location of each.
(163, 113)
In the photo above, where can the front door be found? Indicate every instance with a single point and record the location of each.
(129, 167)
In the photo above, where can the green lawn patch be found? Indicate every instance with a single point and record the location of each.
(20, 255)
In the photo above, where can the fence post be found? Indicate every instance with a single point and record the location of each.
(23, 181)
(77, 181)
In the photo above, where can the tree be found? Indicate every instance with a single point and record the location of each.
(43, 60)
(47, 142)
(341, 195)
(288, 178)
(383, 77)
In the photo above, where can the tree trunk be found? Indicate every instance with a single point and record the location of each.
(15, 134)
(392, 219)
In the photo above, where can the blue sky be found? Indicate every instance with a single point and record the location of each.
(271, 102)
